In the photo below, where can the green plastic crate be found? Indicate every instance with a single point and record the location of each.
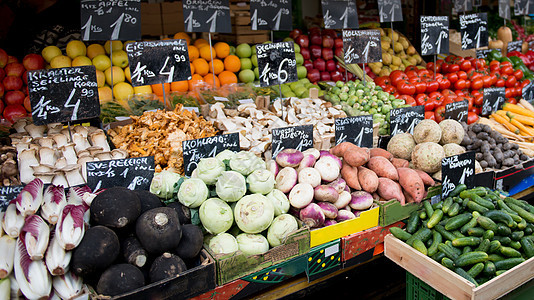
(416, 289)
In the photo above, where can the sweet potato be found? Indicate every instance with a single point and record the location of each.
(427, 180)
(412, 183)
(400, 163)
(356, 156)
(368, 179)
(389, 189)
(342, 148)
(383, 167)
(409, 198)
(350, 174)
(381, 152)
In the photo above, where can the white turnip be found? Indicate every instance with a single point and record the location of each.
(312, 215)
(326, 193)
(329, 209)
(361, 200)
(289, 158)
(344, 215)
(286, 179)
(301, 195)
(343, 200)
(309, 175)
(328, 168)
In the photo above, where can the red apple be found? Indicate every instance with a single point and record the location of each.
(12, 59)
(303, 41)
(3, 58)
(339, 52)
(27, 104)
(14, 69)
(12, 83)
(350, 76)
(316, 39)
(314, 75)
(337, 76)
(315, 29)
(338, 42)
(2, 90)
(2, 74)
(327, 53)
(14, 112)
(305, 53)
(25, 77)
(325, 76)
(330, 65)
(14, 97)
(33, 62)
(315, 51)
(330, 32)
(319, 64)
(308, 65)
(295, 33)
(328, 41)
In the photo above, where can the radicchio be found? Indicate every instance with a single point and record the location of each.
(30, 198)
(70, 228)
(54, 200)
(35, 234)
(32, 276)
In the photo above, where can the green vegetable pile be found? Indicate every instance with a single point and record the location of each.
(475, 232)
(359, 98)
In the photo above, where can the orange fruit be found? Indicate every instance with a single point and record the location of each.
(201, 66)
(232, 63)
(192, 68)
(194, 81)
(227, 77)
(200, 42)
(209, 80)
(222, 49)
(193, 52)
(182, 36)
(180, 86)
(156, 89)
(218, 66)
(205, 52)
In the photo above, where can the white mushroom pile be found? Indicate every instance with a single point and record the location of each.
(254, 125)
(52, 154)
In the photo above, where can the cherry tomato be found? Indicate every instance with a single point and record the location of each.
(479, 100)
(510, 81)
(518, 91)
(508, 92)
(487, 81)
(518, 74)
(406, 88)
(471, 117)
(439, 113)
(430, 115)
(524, 83)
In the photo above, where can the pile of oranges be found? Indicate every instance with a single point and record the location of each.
(204, 70)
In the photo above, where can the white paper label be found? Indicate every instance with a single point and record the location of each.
(331, 250)
(220, 98)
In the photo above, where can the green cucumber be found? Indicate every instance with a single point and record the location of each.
(472, 223)
(475, 231)
(503, 230)
(483, 202)
(467, 249)
(509, 263)
(523, 213)
(509, 252)
(494, 257)
(422, 215)
(500, 216)
(517, 235)
(504, 240)
(435, 218)
(457, 190)
(437, 205)
(489, 268)
(419, 246)
(458, 221)
(499, 272)
(428, 208)
(458, 234)
(488, 234)
(484, 245)
(438, 256)
(528, 231)
(486, 223)
(528, 246)
(448, 251)
(476, 269)
(506, 208)
(454, 209)
(447, 204)
(444, 233)
(448, 263)
(516, 245)
(471, 258)
(472, 205)
(509, 200)
(436, 240)
(413, 222)
(422, 234)
(400, 234)
(494, 246)
(465, 275)
(466, 241)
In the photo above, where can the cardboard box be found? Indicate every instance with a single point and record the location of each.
(449, 283)
(188, 284)
(236, 265)
(366, 220)
(324, 259)
(392, 211)
(511, 179)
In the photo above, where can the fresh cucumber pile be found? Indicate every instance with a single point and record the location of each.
(475, 232)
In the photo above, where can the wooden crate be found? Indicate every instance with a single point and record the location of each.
(449, 283)
(241, 30)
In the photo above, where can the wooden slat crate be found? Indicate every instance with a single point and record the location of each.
(241, 30)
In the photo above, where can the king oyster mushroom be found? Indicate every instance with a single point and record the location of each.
(27, 159)
(82, 161)
(53, 128)
(99, 138)
(47, 156)
(60, 139)
(73, 175)
(59, 179)
(119, 153)
(103, 155)
(45, 141)
(20, 124)
(46, 177)
(60, 163)
(35, 130)
(69, 153)
(80, 142)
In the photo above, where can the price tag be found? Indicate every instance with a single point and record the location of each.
(483, 53)
(357, 130)
(153, 62)
(296, 137)
(271, 15)
(434, 35)
(456, 170)
(133, 173)
(110, 20)
(64, 94)
(207, 16)
(473, 29)
(338, 14)
(523, 7)
(389, 10)
(504, 9)
(493, 99)
(276, 63)
(514, 46)
(362, 46)
(528, 91)
(8, 193)
(405, 119)
(462, 6)
(194, 150)
(457, 111)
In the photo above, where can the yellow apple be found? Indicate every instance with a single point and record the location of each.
(50, 52)
(101, 62)
(117, 45)
(81, 61)
(100, 78)
(95, 49)
(75, 49)
(104, 94)
(144, 89)
(122, 91)
(60, 61)
(118, 75)
(119, 58)
(127, 74)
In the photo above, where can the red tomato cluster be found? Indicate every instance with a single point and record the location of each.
(456, 79)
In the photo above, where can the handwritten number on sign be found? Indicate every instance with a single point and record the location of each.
(213, 20)
(276, 20)
(74, 106)
(87, 28)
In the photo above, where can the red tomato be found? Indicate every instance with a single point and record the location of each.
(507, 69)
(495, 65)
(480, 63)
(432, 86)
(397, 76)
(524, 83)
(518, 74)
(448, 92)
(439, 113)
(411, 73)
(500, 82)
(390, 89)
(518, 91)
(511, 100)
(424, 73)
(487, 81)
(420, 99)
(437, 98)
(406, 88)
(506, 63)
(471, 117)
(420, 86)
(479, 100)
(411, 68)
(430, 115)
(454, 68)
(460, 84)
(465, 65)
(408, 99)
(510, 81)
(462, 75)
(452, 77)
(444, 83)
(430, 105)
(508, 92)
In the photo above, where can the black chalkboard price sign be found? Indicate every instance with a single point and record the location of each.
(456, 170)
(457, 111)
(483, 53)
(405, 119)
(194, 150)
(473, 29)
(8, 193)
(357, 130)
(362, 46)
(434, 35)
(504, 9)
(514, 46)
(110, 20)
(276, 63)
(493, 99)
(270, 15)
(63, 95)
(133, 173)
(153, 62)
(523, 7)
(462, 6)
(528, 91)
(340, 14)
(207, 16)
(296, 137)
(389, 10)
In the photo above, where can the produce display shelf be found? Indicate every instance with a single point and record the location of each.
(449, 283)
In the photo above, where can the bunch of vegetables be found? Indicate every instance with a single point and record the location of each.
(475, 232)
(40, 230)
(363, 98)
(238, 205)
(134, 235)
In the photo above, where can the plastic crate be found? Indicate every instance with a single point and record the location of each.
(416, 289)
